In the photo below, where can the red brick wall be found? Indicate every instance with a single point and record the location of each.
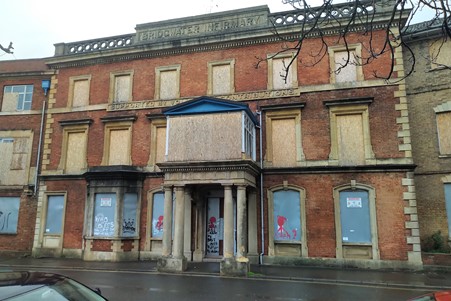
(75, 208)
(321, 235)
(22, 241)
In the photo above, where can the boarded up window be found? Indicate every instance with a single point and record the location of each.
(6, 151)
(17, 98)
(81, 93)
(14, 160)
(20, 154)
(76, 154)
(351, 148)
(119, 147)
(169, 84)
(161, 144)
(344, 73)
(444, 132)
(121, 88)
(284, 142)
(279, 66)
(439, 53)
(221, 79)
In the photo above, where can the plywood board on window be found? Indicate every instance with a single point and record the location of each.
(76, 154)
(279, 66)
(347, 73)
(221, 79)
(168, 84)
(9, 103)
(444, 132)
(81, 93)
(119, 146)
(284, 142)
(122, 88)
(161, 144)
(205, 137)
(351, 147)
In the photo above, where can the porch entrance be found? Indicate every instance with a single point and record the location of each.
(214, 240)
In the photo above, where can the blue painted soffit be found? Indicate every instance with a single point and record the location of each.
(208, 105)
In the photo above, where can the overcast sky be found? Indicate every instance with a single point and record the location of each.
(35, 25)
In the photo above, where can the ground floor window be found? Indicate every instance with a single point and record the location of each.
(287, 215)
(55, 213)
(448, 205)
(9, 214)
(356, 222)
(157, 215)
(287, 219)
(108, 209)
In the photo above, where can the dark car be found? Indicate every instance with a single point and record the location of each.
(35, 286)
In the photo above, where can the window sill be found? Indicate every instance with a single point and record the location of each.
(287, 242)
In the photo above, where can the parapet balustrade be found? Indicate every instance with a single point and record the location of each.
(98, 44)
(307, 15)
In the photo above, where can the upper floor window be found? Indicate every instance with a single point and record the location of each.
(157, 143)
(17, 98)
(167, 82)
(221, 77)
(121, 86)
(443, 117)
(79, 91)
(350, 135)
(283, 136)
(118, 141)
(74, 147)
(248, 137)
(345, 64)
(439, 53)
(15, 148)
(282, 71)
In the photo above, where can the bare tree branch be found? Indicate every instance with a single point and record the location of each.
(8, 49)
(353, 18)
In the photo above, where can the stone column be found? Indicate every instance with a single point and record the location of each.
(241, 224)
(177, 248)
(228, 222)
(175, 262)
(199, 236)
(187, 251)
(167, 222)
(252, 231)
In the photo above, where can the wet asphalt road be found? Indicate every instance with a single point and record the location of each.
(120, 285)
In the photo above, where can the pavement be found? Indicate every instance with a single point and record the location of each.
(430, 278)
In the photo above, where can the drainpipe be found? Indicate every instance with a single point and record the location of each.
(45, 86)
(262, 219)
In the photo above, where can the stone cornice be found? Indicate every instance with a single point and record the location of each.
(210, 166)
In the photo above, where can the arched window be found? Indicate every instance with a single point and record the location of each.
(287, 228)
(355, 222)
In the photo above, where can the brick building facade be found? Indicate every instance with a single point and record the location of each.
(169, 144)
(21, 101)
(430, 115)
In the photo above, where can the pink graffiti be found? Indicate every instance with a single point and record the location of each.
(159, 224)
(281, 231)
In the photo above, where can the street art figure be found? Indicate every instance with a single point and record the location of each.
(281, 231)
(159, 225)
(212, 225)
